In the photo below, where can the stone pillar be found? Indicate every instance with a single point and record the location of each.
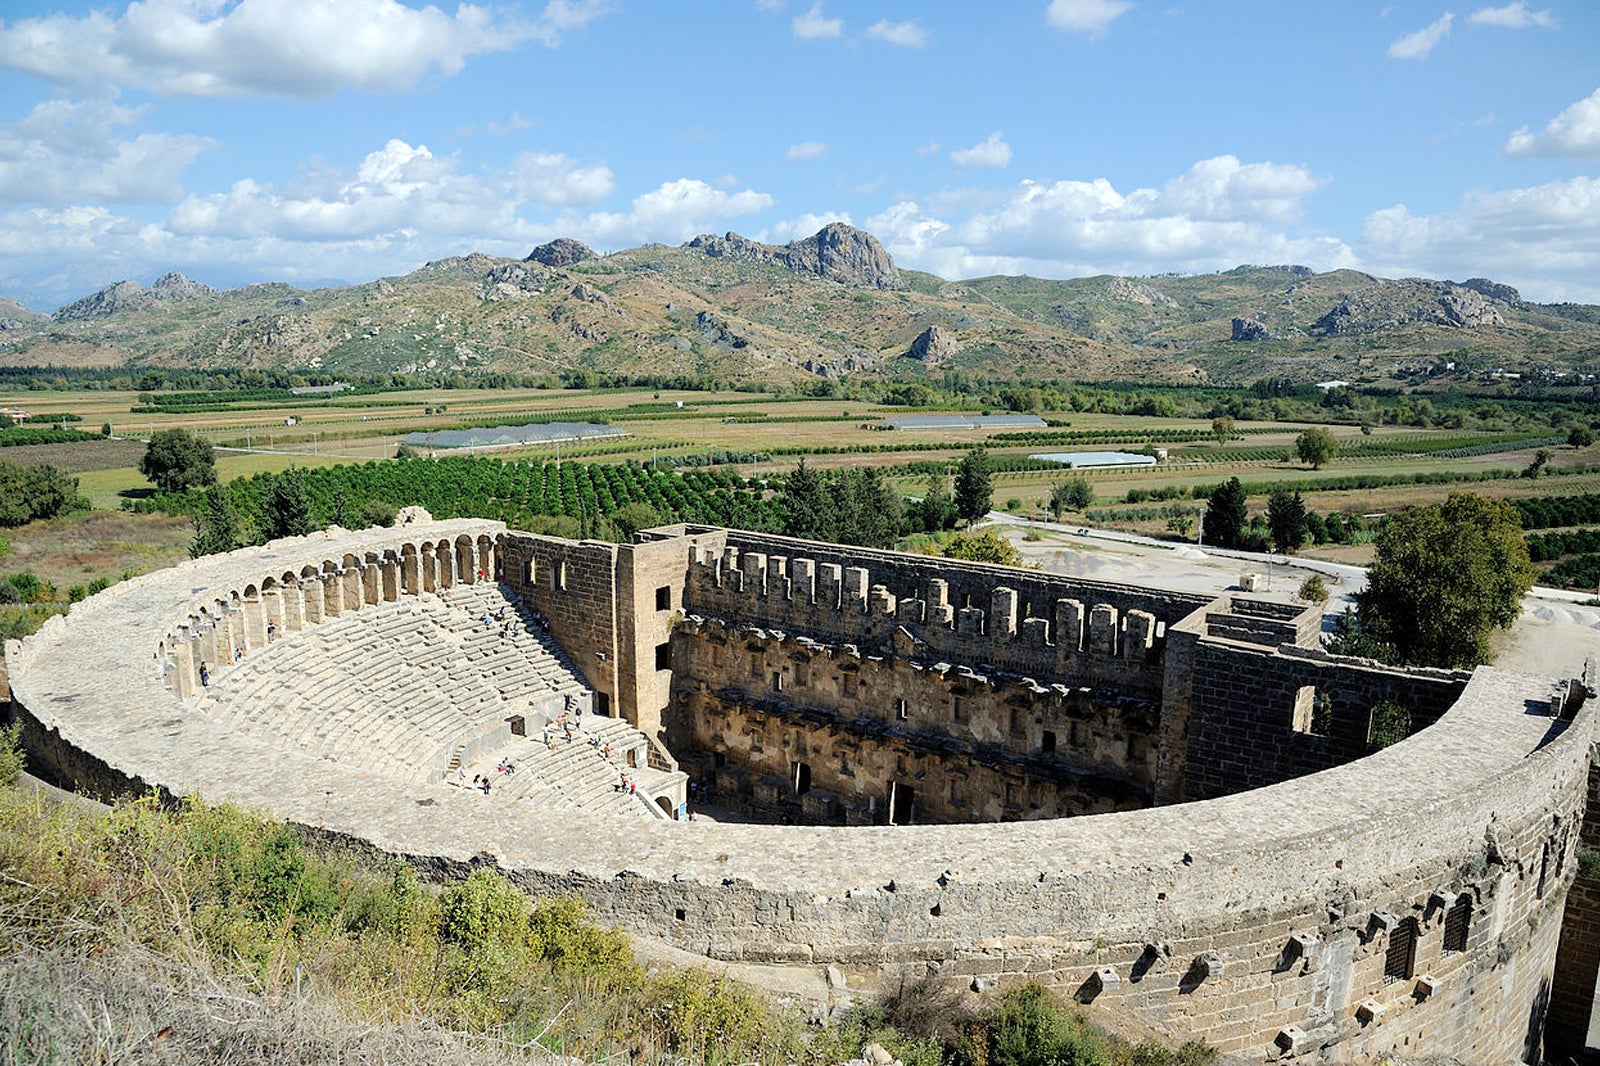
(1003, 613)
(233, 635)
(352, 588)
(181, 643)
(389, 574)
(754, 566)
(1103, 629)
(430, 569)
(854, 597)
(486, 560)
(969, 622)
(1036, 632)
(881, 601)
(730, 565)
(466, 563)
(255, 625)
(333, 592)
(370, 578)
(312, 598)
(829, 585)
(410, 573)
(445, 559)
(1069, 625)
(1141, 638)
(293, 608)
(939, 612)
(272, 609)
(803, 581)
(912, 612)
(207, 649)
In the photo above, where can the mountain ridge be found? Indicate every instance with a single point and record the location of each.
(834, 303)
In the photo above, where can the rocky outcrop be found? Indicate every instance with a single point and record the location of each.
(1493, 290)
(118, 296)
(176, 288)
(563, 251)
(715, 331)
(933, 345)
(1388, 304)
(837, 252)
(1132, 292)
(1249, 329)
(510, 281)
(580, 291)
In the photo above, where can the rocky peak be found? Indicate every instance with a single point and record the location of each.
(836, 252)
(933, 345)
(1461, 308)
(118, 296)
(176, 288)
(1493, 290)
(563, 251)
(1387, 304)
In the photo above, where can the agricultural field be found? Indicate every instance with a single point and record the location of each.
(734, 450)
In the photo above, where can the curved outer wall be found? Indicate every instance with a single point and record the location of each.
(1261, 921)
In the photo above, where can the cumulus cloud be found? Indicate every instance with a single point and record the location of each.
(1574, 133)
(1544, 239)
(1220, 213)
(904, 34)
(68, 151)
(1418, 45)
(672, 213)
(806, 150)
(814, 24)
(1092, 17)
(223, 48)
(397, 189)
(798, 229)
(992, 151)
(1514, 16)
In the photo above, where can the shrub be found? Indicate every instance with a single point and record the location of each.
(11, 757)
(1313, 589)
(1391, 723)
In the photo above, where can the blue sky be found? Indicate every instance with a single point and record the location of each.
(316, 140)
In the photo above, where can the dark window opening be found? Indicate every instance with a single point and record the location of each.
(902, 710)
(1018, 724)
(958, 708)
(602, 704)
(1399, 960)
(664, 598)
(901, 798)
(664, 656)
(1048, 744)
(519, 725)
(679, 914)
(1457, 923)
(777, 681)
(800, 777)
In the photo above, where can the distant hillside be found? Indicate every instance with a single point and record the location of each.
(835, 303)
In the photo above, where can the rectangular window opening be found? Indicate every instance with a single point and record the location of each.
(1457, 923)
(560, 577)
(664, 656)
(1313, 712)
(664, 598)
(902, 710)
(800, 777)
(958, 708)
(1048, 743)
(777, 681)
(602, 704)
(533, 570)
(1400, 959)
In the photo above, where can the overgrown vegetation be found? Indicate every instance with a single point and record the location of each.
(202, 896)
(28, 493)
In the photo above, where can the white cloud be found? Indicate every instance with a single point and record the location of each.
(806, 150)
(398, 189)
(221, 48)
(1216, 215)
(1544, 239)
(672, 213)
(1223, 188)
(931, 148)
(904, 34)
(992, 151)
(1092, 17)
(814, 24)
(66, 152)
(510, 125)
(798, 229)
(1418, 45)
(1514, 16)
(1574, 133)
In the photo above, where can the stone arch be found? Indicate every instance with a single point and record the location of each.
(293, 603)
(255, 619)
(466, 564)
(665, 803)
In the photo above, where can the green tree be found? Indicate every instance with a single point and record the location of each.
(1286, 517)
(31, 492)
(1316, 446)
(105, 429)
(985, 547)
(936, 510)
(1313, 589)
(1223, 428)
(177, 460)
(1182, 525)
(1443, 577)
(1073, 494)
(1223, 525)
(807, 508)
(216, 525)
(288, 507)
(1581, 436)
(974, 490)
(1541, 459)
